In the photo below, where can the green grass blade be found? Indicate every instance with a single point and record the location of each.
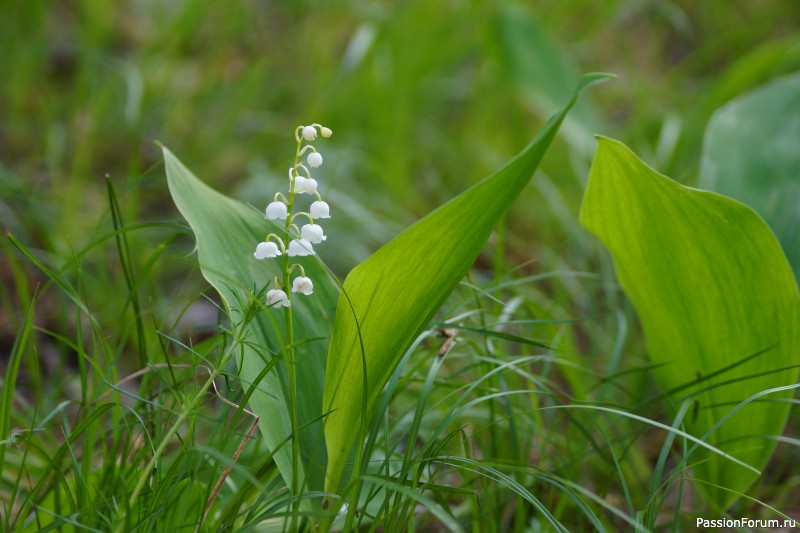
(436, 510)
(227, 232)
(503, 479)
(389, 298)
(125, 260)
(9, 380)
(711, 286)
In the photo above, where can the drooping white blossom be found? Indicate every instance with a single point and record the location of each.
(300, 182)
(314, 159)
(305, 185)
(299, 247)
(312, 233)
(309, 133)
(319, 209)
(266, 250)
(277, 298)
(277, 211)
(303, 285)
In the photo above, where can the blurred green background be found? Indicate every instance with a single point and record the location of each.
(424, 98)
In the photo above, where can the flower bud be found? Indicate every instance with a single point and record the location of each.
(303, 285)
(319, 209)
(309, 133)
(307, 185)
(314, 159)
(277, 211)
(312, 233)
(299, 247)
(277, 298)
(326, 132)
(266, 250)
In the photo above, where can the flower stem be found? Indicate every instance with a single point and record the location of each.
(290, 360)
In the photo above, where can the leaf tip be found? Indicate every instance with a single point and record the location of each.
(164, 150)
(610, 146)
(603, 139)
(591, 78)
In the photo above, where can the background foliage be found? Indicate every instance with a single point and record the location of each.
(425, 98)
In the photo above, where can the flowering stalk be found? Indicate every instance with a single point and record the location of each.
(295, 242)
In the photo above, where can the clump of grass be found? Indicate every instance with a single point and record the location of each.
(486, 432)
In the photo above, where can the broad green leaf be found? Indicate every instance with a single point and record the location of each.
(390, 298)
(752, 154)
(717, 301)
(227, 233)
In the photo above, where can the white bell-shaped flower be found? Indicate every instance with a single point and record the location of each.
(309, 133)
(305, 185)
(314, 159)
(326, 132)
(312, 233)
(266, 250)
(319, 209)
(277, 298)
(303, 285)
(277, 211)
(299, 247)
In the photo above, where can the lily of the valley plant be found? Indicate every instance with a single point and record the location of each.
(295, 241)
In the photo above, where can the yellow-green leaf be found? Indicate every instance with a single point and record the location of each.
(389, 298)
(717, 301)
